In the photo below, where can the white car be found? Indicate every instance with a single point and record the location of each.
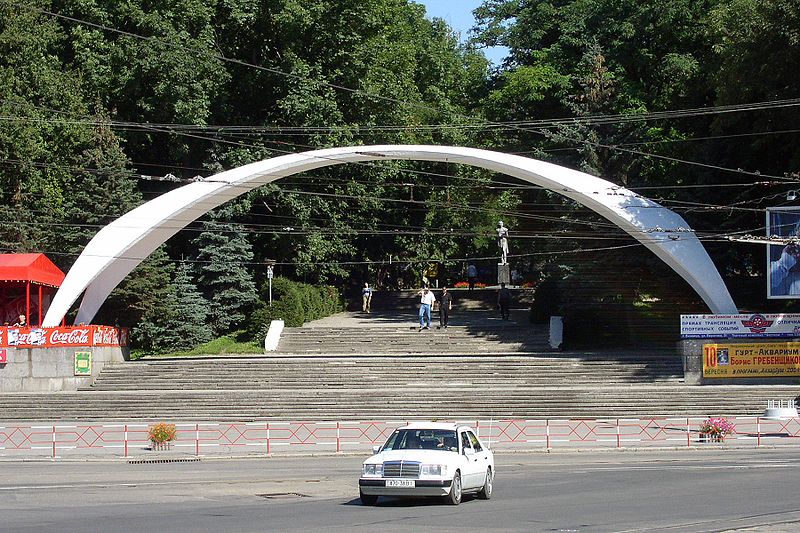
(429, 459)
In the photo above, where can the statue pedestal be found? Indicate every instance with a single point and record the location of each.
(503, 274)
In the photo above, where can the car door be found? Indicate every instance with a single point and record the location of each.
(473, 467)
(481, 461)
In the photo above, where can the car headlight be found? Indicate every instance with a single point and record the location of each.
(433, 470)
(372, 470)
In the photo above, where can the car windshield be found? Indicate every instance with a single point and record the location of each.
(423, 439)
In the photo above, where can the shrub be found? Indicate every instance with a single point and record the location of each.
(162, 432)
(546, 301)
(293, 302)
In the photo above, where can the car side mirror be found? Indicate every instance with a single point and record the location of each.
(376, 449)
(469, 451)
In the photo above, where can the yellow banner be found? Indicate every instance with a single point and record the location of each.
(755, 360)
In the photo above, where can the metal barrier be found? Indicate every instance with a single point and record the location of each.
(274, 437)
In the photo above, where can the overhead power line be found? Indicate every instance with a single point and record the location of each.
(525, 128)
(356, 128)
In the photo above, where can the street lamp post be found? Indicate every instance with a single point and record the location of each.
(270, 273)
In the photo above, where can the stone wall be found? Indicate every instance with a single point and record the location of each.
(52, 369)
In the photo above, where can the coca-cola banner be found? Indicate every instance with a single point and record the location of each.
(66, 336)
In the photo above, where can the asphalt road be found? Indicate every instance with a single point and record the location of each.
(720, 490)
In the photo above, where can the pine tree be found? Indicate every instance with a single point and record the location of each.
(223, 251)
(189, 328)
(145, 301)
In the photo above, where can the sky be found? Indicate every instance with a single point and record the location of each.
(458, 14)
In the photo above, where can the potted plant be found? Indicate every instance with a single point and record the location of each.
(716, 429)
(161, 436)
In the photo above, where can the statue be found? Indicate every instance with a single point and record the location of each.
(502, 241)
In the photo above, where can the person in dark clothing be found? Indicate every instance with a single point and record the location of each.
(472, 275)
(504, 301)
(445, 305)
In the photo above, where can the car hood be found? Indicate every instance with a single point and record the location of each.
(422, 456)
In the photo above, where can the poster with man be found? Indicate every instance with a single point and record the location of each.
(783, 258)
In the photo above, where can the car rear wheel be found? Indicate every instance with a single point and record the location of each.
(454, 498)
(488, 485)
(368, 499)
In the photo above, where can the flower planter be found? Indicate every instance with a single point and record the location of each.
(715, 429)
(160, 446)
(710, 437)
(161, 436)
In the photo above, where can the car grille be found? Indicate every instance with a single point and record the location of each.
(407, 469)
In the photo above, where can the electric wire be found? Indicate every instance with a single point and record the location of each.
(788, 102)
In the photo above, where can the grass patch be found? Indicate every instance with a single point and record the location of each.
(227, 344)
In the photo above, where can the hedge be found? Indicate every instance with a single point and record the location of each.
(293, 302)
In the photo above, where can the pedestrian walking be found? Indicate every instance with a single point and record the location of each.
(445, 305)
(427, 300)
(504, 301)
(472, 275)
(366, 298)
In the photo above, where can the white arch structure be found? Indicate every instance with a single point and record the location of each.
(119, 247)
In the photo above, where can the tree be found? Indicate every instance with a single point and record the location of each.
(189, 327)
(41, 142)
(223, 253)
(145, 302)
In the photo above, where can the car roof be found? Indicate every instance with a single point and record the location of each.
(432, 425)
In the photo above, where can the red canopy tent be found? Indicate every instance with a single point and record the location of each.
(17, 273)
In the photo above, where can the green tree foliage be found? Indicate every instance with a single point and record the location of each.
(189, 327)
(142, 89)
(585, 59)
(294, 303)
(404, 70)
(145, 302)
(64, 173)
(161, 67)
(223, 252)
(40, 145)
(175, 316)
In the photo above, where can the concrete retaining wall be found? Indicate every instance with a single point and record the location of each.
(691, 351)
(52, 369)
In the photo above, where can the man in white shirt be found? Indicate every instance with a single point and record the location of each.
(426, 304)
(366, 298)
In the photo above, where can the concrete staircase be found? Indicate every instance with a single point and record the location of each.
(494, 337)
(389, 373)
(463, 299)
(611, 384)
(379, 367)
(372, 402)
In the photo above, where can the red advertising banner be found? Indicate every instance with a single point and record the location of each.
(61, 337)
(109, 336)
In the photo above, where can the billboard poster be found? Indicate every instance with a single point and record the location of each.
(63, 336)
(754, 325)
(752, 360)
(83, 363)
(783, 259)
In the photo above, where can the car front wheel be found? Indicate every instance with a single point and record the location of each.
(488, 485)
(454, 498)
(368, 499)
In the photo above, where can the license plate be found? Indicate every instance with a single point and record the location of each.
(400, 483)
